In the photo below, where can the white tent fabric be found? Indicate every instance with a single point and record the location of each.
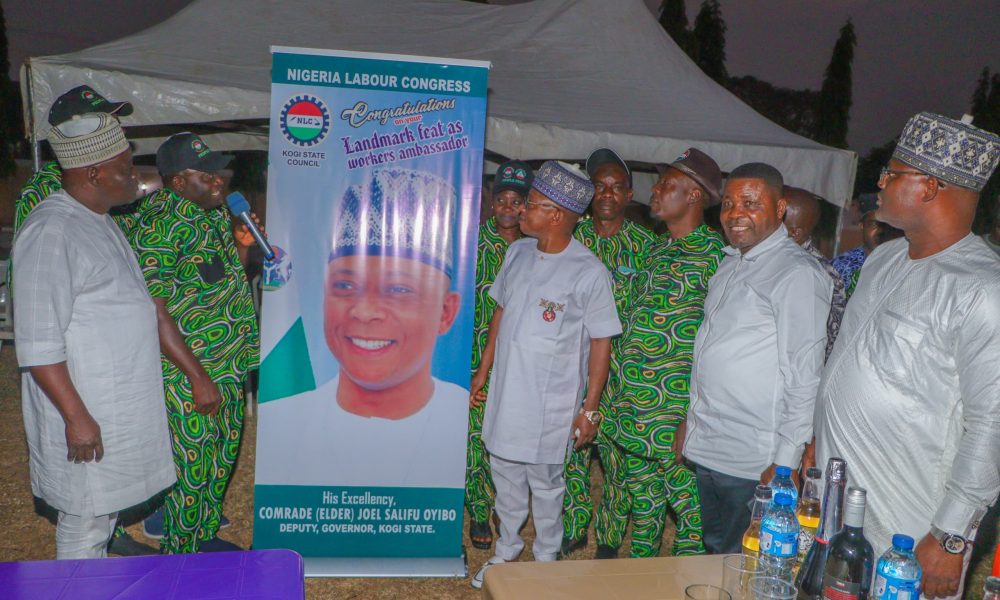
(568, 76)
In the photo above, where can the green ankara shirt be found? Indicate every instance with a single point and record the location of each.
(188, 257)
(648, 395)
(623, 253)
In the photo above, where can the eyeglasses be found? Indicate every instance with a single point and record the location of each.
(886, 173)
(530, 204)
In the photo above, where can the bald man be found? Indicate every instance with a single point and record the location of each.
(801, 217)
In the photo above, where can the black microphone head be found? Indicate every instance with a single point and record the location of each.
(237, 203)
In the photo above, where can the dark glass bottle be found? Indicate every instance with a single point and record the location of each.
(809, 581)
(850, 559)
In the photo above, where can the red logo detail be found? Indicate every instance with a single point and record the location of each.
(549, 315)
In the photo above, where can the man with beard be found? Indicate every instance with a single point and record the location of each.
(648, 389)
(621, 245)
(510, 190)
(193, 265)
(910, 395)
(757, 356)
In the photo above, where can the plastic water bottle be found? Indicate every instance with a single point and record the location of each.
(782, 483)
(898, 573)
(779, 539)
(751, 537)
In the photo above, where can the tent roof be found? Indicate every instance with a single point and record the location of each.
(568, 76)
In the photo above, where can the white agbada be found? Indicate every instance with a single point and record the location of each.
(911, 394)
(81, 299)
(309, 439)
(553, 305)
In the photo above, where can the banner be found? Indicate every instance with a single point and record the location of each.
(373, 209)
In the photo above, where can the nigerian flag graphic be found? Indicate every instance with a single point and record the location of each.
(305, 120)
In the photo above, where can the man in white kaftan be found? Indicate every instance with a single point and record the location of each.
(92, 393)
(911, 394)
(548, 342)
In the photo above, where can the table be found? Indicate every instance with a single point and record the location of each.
(620, 579)
(249, 575)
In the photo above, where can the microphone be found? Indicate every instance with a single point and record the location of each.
(240, 208)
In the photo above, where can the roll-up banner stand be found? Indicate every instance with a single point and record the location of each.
(373, 210)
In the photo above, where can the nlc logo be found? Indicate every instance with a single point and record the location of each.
(305, 120)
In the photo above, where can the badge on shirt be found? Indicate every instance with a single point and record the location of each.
(549, 314)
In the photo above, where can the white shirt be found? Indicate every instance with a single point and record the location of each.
(911, 394)
(308, 439)
(81, 298)
(553, 305)
(757, 359)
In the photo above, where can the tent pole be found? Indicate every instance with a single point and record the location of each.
(36, 146)
(840, 226)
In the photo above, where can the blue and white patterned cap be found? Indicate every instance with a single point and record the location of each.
(397, 212)
(564, 184)
(953, 151)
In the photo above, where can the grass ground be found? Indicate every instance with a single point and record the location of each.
(28, 535)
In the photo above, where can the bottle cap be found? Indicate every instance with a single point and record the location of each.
(836, 469)
(903, 542)
(783, 471)
(992, 584)
(783, 500)
(813, 473)
(763, 492)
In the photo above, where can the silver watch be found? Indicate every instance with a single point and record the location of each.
(952, 544)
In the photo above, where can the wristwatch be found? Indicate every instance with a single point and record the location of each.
(952, 544)
(594, 416)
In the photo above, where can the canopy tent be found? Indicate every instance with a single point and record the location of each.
(568, 76)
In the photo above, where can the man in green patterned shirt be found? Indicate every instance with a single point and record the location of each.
(621, 245)
(193, 266)
(510, 190)
(647, 398)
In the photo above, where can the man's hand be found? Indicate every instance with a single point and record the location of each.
(205, 395)
(83, 439)
(588, 431)
(242, 235)
(678, 446)
(942, 570)
(476, 394)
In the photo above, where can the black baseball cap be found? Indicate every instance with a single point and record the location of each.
(82, 100)
(602, 156)
(703, 169)
(513, 175)
(186, 150)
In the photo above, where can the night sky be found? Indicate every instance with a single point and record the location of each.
(912, 55)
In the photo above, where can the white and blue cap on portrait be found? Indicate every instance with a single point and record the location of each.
(400, 213)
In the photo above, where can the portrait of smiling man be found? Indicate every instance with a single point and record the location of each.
(387, 297)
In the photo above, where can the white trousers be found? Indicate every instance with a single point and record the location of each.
(84, 537)
(515, 482)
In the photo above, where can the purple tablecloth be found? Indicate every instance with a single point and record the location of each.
(251, 575)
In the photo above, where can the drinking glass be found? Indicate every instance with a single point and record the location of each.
(736, 573)
(701, 591)
(771, 588)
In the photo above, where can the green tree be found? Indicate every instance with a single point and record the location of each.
(834, 109)
(673, 19)
(710, 41)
